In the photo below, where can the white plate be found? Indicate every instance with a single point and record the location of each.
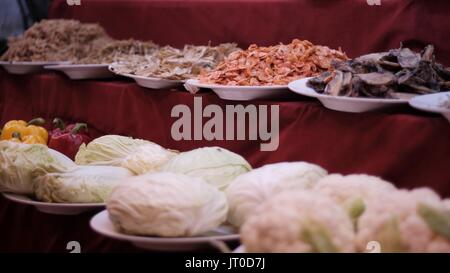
(240, 249)
(240, 93)
(26, 67)
(83, 71)
(149, 82)
(103, 225)
(54, 208)
(348, 104)
(432, 103)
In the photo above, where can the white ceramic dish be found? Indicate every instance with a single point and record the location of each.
(83, 71)
(103, 225)
(149, 82)
(22, 68)
(240, 93)
(348, 104)
(433, 103)
(54, 208)
(240, 249)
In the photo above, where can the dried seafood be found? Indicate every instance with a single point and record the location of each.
(382, 75)
(274, 65)
(55, 40)
(175, 64)
(113, 51)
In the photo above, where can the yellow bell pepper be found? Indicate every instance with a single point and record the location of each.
(33, 139)
(11, 127)
(30, 132)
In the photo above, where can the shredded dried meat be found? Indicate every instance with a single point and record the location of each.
(70, 40)
(55, 40)
(274, 65)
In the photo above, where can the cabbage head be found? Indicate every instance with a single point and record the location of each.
(83, 184)
(147, 158)
(137, 155)
(21, 163)
(215, 165)
(108, 150)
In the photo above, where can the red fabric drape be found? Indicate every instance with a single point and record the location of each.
(405, 146)
(351, 24)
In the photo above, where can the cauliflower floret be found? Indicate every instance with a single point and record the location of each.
(298, 221)
(342, 188)
(447, 203)
(249, 190)
(353, 191)
(405, 221)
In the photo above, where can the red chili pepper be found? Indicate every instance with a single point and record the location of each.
(68, 140)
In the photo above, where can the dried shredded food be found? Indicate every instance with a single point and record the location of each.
(107, 52)
(55, 40)
(274, 65)
(382, 75)
(175, 64)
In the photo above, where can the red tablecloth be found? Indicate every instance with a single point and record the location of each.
(407, 147)
(352, 24)
(404, 146)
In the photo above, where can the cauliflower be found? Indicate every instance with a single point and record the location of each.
(353, 191)
(298, 221)
(406, 221)
(249, 190)
(447, 203)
